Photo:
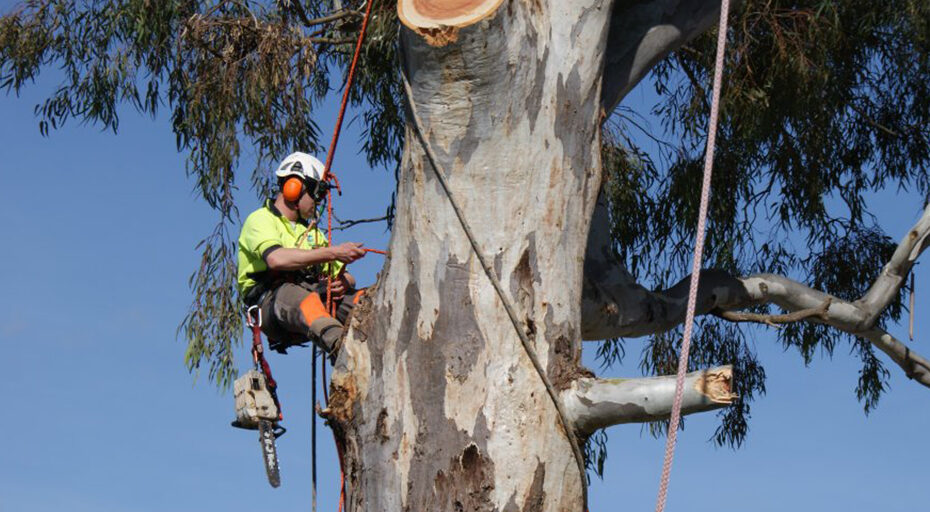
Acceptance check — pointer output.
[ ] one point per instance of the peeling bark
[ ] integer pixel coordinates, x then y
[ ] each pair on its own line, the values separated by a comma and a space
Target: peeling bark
597, 403
440, 405
433, 395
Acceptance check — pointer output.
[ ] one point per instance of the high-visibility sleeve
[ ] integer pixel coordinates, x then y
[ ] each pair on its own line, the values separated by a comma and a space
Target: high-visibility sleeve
259, 233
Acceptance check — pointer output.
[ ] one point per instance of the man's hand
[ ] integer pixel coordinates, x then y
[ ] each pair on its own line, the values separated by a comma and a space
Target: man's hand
340, 286
347, 252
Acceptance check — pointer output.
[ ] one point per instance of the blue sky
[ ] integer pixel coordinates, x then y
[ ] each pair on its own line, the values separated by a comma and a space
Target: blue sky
101, 415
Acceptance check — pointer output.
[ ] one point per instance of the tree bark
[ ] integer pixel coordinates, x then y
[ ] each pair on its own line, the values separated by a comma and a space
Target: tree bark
434, 400
434, 397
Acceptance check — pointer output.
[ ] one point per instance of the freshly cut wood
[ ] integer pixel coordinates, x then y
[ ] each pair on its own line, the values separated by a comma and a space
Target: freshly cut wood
437, 14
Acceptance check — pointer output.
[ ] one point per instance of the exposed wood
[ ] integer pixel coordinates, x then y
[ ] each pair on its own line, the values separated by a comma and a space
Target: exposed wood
438, 21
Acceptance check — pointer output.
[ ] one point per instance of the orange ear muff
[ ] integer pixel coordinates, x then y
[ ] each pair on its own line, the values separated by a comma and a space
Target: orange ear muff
292, 190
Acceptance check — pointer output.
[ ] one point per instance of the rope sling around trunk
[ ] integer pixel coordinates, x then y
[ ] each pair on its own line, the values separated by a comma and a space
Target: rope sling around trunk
495, 282
696, 263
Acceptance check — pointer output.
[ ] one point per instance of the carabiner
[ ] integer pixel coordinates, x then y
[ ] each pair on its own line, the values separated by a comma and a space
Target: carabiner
255, 321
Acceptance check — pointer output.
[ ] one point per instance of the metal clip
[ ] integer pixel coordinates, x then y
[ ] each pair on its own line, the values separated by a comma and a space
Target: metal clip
256, 320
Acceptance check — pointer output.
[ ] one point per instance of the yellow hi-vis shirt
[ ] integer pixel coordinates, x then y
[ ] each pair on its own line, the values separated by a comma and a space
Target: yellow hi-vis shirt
266, 229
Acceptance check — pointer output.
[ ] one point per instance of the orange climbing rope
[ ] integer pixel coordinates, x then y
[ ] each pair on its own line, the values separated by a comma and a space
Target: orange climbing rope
696, 264
329, 176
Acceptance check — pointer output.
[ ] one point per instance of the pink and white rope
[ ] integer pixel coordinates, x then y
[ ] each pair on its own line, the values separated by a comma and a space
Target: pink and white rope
698, 256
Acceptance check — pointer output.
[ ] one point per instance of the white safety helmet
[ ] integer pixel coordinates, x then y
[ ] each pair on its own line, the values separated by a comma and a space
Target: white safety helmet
300, 164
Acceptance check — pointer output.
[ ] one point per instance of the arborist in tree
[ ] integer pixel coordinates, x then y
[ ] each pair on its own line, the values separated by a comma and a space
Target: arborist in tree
285, 262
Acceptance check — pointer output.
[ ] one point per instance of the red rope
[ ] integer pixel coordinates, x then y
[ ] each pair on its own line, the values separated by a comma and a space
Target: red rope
696, 264
329, 176
258, 357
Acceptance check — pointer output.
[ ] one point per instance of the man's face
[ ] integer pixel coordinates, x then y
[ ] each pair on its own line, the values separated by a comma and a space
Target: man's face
306, 206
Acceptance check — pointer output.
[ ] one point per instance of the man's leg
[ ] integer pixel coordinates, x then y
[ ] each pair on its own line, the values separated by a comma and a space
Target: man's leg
302, 314
345, 306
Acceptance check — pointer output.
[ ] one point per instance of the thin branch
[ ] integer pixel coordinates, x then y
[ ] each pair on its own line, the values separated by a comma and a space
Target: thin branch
869, 119
819, 312
346, 224
330, 18
332, 40
701, 93
915, 366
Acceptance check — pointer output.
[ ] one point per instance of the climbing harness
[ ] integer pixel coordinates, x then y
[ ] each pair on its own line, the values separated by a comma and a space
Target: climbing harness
256, 398
495, 282
696, 264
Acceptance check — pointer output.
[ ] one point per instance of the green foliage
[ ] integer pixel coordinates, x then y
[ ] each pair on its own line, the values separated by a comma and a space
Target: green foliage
824, 102
595, 453
235, 75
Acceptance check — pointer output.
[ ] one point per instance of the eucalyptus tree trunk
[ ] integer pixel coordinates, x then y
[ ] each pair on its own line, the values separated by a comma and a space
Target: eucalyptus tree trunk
434, 399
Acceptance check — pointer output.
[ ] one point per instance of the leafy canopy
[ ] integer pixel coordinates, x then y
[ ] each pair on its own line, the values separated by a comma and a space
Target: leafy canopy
824, 103
824, 100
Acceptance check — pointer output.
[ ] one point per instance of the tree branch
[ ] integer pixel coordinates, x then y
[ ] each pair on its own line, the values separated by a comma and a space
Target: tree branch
915, 366
894, 274
848, 317
597, 403
614, 305
346, 224
332, 40
774, 320
644, 33
297, 8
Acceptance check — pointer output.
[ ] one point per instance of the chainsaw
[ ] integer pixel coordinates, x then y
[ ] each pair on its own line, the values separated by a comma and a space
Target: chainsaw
256, 410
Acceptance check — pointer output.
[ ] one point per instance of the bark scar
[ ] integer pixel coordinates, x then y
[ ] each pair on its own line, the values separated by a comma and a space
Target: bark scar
439, 36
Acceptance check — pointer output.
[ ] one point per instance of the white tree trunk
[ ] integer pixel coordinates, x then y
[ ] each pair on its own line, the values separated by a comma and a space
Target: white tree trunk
434, 399
441, 409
